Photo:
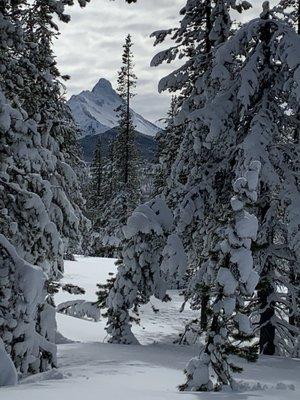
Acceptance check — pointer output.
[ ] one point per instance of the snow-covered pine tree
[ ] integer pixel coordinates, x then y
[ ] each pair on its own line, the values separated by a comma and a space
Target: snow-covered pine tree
217, 156
23, 215
231, 279
36, 216
149, 253
58, 130
168, 143
204, 26
290, 11
256, 110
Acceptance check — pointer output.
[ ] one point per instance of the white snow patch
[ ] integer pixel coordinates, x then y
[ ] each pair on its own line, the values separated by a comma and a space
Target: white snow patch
93, 369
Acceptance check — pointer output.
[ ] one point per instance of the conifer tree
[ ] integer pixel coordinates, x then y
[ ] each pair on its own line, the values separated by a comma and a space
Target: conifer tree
204, 26
96, 195
168, 143
123, 166
231, 279
125, 149
39, 195
290, 11
36, 216
149, 256
253, 114
247, 124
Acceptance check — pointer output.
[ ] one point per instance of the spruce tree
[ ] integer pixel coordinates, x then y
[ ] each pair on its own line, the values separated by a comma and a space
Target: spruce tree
250, 119
253, 115
149, 255
168, 144
123, 165
125, 149
231, 279
95, 194
290, 11
204, 26
36, 216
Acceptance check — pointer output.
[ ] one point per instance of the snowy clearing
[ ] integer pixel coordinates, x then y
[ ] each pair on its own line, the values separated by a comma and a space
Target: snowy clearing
92, 369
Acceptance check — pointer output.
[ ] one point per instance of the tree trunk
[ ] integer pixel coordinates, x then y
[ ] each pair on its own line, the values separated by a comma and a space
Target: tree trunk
127, 123
204, 314
208, 47
267, 329
294, 277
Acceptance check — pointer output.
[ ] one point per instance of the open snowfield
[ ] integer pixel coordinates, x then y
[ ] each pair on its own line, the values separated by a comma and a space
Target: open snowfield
91, 369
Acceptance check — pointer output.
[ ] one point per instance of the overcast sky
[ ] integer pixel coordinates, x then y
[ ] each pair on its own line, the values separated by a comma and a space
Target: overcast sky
90, 46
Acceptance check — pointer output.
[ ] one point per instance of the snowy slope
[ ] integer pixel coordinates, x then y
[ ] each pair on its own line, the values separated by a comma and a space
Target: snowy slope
92, 369
95, 111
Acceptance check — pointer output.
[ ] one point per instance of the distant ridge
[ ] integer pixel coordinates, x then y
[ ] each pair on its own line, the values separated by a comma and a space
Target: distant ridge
145, 144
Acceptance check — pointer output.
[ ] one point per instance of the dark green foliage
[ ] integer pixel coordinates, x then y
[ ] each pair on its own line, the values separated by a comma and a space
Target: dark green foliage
168, 143
103, 291
146, 145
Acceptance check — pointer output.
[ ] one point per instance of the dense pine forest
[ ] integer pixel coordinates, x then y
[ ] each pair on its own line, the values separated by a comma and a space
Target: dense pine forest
167, 260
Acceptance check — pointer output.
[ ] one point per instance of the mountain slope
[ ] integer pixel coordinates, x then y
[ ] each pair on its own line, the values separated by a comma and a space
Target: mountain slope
95, 111
145, 144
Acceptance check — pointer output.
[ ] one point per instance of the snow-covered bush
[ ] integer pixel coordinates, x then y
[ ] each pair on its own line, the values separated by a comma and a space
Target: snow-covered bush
140, 275
79, 309
22, 295
8, 375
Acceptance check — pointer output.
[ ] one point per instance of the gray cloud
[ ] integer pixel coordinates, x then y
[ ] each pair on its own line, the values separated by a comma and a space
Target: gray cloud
90, 46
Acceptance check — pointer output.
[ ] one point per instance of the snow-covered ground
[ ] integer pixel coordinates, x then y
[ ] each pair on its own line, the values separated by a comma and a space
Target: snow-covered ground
91, 369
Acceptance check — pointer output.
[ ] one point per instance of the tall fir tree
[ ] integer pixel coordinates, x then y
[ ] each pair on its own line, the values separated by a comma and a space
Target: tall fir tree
168, 144
125, 149
204, 26
253, 115
95, 193
290, 11
149, 253
231, 279
36, 215
123, 166
39, 194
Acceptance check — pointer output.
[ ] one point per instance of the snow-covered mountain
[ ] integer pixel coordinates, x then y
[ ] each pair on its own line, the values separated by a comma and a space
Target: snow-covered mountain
95, 111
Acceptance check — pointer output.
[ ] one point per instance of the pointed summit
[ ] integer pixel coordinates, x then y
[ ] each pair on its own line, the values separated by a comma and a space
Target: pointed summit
103, 85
